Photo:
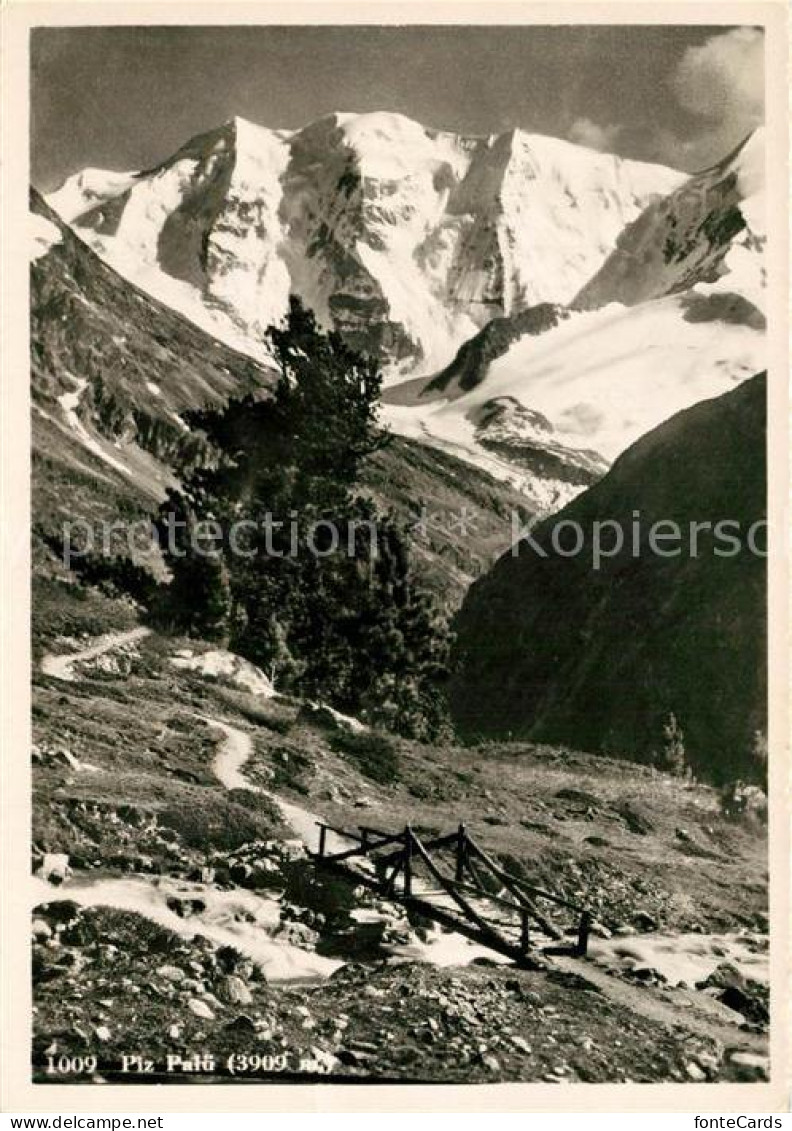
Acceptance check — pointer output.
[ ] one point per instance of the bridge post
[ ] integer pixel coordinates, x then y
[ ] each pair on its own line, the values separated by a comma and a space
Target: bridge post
408, 846
525, 938
322, 838
460, 853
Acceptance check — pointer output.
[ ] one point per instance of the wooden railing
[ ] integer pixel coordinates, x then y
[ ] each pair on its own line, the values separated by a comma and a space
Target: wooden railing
474, 874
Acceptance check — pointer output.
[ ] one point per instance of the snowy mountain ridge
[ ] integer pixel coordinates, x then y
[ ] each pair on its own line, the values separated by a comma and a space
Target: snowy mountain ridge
407, 239
675, 315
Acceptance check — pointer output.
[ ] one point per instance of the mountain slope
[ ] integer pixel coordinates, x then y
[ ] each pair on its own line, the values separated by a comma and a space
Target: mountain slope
675, 315
111, 371
557, 650
405, 238
711, 228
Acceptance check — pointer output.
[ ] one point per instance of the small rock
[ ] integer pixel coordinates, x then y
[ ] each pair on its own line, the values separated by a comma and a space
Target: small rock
352, 1059
647, 974
41, 930
750, 1066
635, 820
749, 1005
644, 921
723, 976
103, 1033
171, 973
299, 934
55, 867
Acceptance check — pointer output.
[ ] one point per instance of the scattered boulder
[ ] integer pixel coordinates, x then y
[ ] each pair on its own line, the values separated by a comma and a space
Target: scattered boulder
635, 820
579, 797
184, 906
219, 664
242, 1024
299, 934
643, 921
234, 990
171, 973
695, 1071
648, 975
723, 976
327, 718
41, 930
737, 992
750, 1005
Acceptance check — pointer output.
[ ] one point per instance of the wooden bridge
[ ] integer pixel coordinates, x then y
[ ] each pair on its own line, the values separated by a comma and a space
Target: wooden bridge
454, 882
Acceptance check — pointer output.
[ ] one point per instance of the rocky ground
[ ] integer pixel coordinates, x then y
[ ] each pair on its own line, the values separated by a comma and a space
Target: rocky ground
114, 987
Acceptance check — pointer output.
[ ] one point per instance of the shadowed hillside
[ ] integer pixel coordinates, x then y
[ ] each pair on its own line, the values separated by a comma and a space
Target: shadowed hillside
553, 649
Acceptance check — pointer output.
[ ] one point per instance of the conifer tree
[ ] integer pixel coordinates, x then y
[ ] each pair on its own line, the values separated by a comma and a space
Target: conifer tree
341, 618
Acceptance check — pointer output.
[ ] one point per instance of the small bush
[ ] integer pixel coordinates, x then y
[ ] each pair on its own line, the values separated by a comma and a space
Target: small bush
371, 752
740, 801
674, 755
289, 767
275, 716
214, 821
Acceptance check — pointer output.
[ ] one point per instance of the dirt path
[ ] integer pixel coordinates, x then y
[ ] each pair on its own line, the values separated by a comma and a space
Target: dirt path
699, 1013
234, 751
62, 667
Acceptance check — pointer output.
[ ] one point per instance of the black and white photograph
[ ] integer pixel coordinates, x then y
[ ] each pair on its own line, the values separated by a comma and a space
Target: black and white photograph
399, 552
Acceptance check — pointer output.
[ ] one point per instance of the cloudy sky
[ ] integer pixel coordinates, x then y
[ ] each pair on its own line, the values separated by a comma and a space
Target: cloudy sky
125, 98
